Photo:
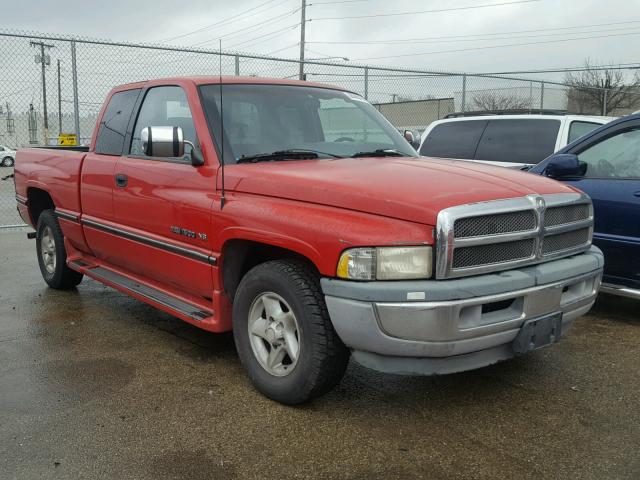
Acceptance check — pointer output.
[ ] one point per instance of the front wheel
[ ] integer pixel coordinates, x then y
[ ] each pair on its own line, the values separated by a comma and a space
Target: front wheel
52, 256
283, 334
7, 162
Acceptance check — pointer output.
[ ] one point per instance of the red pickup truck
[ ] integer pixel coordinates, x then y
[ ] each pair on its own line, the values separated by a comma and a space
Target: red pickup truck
295, 215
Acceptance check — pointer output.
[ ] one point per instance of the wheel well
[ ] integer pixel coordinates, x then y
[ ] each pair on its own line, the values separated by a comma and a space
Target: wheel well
39, 201
240, 256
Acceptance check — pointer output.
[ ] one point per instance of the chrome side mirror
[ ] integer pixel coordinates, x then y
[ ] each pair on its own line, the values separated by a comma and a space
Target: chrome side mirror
162, 141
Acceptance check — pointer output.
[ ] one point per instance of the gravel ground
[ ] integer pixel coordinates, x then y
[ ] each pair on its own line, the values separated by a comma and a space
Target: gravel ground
94, 384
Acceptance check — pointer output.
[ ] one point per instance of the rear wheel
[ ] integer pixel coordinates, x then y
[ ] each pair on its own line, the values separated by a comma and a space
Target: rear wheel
283, 333
7, 162
52, 256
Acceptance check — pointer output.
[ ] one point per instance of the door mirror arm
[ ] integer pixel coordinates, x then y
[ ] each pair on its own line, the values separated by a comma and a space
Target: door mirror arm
197, 159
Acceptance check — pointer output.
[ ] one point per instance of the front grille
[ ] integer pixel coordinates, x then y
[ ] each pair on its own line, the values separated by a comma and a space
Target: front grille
467, 257
565, 241
494, 224
502, 234
566, 214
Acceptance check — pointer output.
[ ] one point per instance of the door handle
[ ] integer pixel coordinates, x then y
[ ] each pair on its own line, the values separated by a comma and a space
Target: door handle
121, 180
636, 194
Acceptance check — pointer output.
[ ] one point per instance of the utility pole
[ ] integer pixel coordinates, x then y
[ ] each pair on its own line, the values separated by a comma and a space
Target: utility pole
303, 21
44, 60
76, 103
59, 101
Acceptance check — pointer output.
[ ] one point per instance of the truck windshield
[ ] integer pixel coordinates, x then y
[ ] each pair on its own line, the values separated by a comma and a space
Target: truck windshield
262, 119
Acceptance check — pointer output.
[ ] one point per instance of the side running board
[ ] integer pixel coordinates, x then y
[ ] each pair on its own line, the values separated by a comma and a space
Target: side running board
107, 276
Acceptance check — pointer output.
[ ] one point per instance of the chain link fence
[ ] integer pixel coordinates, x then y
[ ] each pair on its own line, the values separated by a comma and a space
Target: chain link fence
55, 85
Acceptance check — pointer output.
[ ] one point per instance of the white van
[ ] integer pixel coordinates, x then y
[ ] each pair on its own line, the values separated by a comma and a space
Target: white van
514, 141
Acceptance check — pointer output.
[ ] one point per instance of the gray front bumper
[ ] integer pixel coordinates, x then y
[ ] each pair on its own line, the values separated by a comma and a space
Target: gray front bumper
443, 326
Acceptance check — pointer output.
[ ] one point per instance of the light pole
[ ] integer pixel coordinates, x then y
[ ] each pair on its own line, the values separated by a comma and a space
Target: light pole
302, 25
59, 101
44, 60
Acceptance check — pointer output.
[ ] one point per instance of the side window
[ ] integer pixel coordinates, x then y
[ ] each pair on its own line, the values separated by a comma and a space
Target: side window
453, 139
615, 157
164, 107
113, 126
578, 129
1, 148
518, 141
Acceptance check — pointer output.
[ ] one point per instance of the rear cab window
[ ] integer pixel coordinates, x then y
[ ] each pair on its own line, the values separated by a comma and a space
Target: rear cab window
518, 140
454, 139
114, 122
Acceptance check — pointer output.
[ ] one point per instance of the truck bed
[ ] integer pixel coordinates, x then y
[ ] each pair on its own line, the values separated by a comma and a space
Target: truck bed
56, 168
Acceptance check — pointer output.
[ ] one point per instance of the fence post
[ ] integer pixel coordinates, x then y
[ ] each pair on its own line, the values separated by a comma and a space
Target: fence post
366, 83
464, 93
604, 102
530, 96
541, 95
76, 105
237, 65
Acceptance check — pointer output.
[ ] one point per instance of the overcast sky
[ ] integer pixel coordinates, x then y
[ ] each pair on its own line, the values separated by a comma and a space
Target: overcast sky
473, 28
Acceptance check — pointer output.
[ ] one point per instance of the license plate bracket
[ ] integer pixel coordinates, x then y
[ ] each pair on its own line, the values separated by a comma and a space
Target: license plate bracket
538, 332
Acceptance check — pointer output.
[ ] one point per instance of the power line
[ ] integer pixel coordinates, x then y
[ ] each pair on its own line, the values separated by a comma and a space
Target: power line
499, 46
251, 29
521, 36
470, 7
270, 35
470, 36
318, 53
219, 23
622, 66
282, 49
337, 1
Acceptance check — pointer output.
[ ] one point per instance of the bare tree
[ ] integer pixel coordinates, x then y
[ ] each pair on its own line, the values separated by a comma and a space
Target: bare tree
492, 101
602, 90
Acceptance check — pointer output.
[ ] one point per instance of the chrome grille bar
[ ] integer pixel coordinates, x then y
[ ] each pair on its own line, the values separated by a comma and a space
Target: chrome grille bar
504, 234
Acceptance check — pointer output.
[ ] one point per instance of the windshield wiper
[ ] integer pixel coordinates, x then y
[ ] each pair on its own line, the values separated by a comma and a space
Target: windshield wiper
290, 154
381, 152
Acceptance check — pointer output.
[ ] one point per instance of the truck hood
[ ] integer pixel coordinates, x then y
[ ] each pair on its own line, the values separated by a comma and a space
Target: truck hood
412, 189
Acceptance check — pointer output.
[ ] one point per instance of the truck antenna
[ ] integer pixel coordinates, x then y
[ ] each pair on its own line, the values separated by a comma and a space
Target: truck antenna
222, 197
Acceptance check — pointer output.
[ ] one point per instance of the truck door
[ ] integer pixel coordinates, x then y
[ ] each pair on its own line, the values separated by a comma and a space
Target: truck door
612, 180
165, 203
96, 184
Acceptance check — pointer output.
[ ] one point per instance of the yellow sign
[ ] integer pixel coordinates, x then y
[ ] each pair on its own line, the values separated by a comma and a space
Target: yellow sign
67, 139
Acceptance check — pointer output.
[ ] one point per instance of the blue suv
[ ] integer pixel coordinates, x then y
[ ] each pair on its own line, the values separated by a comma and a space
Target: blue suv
605, 164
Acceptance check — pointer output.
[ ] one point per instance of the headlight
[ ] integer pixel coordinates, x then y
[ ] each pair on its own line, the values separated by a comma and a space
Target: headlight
385, 263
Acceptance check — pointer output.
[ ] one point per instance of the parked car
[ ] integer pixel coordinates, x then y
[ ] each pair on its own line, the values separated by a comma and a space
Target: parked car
605, 164
324, 235
7, 156
514, 141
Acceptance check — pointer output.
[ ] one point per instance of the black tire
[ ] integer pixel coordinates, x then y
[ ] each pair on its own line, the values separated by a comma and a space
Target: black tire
322, 357
7, 162
59, 275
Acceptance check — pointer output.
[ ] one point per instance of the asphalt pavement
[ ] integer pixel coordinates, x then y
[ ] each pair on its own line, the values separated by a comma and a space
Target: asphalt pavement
94, 384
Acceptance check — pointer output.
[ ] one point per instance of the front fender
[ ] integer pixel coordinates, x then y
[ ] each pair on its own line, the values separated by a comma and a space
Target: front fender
317, 232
